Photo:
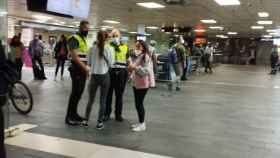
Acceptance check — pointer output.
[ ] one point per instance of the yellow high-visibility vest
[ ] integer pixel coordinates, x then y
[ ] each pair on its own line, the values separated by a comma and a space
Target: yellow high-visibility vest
121, 56
83, 48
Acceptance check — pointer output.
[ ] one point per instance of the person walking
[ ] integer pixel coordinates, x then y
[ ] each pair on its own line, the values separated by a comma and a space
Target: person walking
209, 51
101, 59
118, 77
61, 54
16, 54
36, 50
141, 68
79, 71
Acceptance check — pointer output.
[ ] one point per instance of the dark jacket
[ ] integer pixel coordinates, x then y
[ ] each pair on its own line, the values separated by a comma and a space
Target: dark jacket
57, 50
3, 65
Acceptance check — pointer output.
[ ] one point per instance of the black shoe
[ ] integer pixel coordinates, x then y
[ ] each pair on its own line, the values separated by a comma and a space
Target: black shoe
85, 123
119, 119
71, 122
178, 89
79, 118
100, 126
106, 118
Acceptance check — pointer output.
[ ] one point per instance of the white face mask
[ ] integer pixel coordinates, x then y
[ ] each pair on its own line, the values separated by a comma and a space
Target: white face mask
138, 52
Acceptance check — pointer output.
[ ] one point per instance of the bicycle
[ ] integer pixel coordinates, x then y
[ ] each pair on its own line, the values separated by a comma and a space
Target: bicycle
21, 97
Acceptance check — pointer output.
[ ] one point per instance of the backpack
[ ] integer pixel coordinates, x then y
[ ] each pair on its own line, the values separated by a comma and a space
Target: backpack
173, 56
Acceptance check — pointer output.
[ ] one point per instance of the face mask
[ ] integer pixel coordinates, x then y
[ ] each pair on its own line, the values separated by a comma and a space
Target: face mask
116, 41
137, 52
84, 33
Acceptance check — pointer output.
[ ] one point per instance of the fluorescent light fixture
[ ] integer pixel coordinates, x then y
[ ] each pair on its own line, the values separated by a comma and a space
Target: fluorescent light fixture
270, 30
273, 33
265, 22
111, 21
228, 2
209, 21
151, 5
147, 34
257, 27
152, 27
106, 27
42, 17
216, 27
232, 33
133, 32
263, 14
200, 30
221, 36
267, 36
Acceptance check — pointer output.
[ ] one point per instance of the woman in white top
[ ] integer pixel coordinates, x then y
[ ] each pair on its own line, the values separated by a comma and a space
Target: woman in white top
101, 59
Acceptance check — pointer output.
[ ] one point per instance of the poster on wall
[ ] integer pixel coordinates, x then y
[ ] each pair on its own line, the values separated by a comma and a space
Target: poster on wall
27, 36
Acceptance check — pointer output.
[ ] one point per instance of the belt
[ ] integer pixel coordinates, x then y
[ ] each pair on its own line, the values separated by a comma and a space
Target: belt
119, 67
83, 57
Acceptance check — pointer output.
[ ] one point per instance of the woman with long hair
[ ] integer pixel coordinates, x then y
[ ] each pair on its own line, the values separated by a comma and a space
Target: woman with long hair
141, 69
16, 54
61, 54
101, 59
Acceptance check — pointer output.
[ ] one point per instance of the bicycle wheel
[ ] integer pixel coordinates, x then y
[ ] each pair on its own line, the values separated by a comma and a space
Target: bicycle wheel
21, 97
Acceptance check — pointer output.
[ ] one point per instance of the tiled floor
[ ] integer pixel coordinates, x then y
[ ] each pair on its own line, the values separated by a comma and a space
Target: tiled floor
233, 113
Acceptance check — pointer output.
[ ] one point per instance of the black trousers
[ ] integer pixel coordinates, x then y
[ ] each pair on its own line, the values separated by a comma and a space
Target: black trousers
118, 79
59, 63
2, 128
139, 96
19, 65
39, 60
78, 85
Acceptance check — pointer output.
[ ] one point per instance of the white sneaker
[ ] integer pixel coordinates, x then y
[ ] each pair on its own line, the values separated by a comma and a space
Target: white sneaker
141, 127
135, 125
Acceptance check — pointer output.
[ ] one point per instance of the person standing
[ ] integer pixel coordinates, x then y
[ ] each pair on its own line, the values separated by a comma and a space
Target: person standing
153, 54
118, 77
141, 68
274, 59
188, 67
61, 54
36, 50
101, 59
79, 71
16, 53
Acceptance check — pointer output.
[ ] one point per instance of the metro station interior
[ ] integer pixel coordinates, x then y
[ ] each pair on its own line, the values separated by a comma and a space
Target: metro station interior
200, 78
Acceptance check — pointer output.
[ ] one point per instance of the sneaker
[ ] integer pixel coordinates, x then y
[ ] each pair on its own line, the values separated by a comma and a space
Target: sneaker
85, 123
71, 122
135, 125
100, 126
140, 128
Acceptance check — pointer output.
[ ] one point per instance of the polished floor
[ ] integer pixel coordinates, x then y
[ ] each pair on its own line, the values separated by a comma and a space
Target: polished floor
233, 113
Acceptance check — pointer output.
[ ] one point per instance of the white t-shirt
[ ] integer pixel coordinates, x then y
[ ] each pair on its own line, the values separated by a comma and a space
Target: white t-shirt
99, 65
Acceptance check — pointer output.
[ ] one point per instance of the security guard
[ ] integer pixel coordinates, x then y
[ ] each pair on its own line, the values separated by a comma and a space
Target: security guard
118, 75
79, 72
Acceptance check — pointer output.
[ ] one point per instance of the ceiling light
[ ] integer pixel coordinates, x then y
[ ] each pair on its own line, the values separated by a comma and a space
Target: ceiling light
265, 22
111, 21
133, 32
263, 14
216, 27
106, 27
2, 13
257, 27
267, 36
42, 17
271, 30
152, 27
232, 33
147, 34
209, 21
200, 30
151, 5
228, 2
221, 36
273, 33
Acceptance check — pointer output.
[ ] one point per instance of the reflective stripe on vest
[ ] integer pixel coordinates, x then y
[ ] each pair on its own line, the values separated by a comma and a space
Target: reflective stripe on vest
121, 57
83, 49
